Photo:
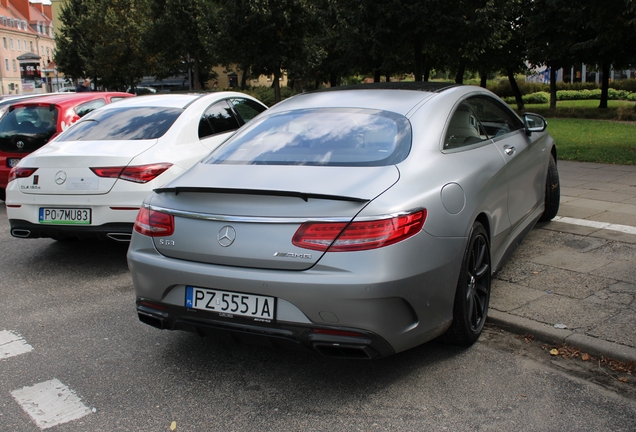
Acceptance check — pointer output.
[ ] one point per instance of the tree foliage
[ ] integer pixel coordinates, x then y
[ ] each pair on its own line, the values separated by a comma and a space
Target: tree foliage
317, 41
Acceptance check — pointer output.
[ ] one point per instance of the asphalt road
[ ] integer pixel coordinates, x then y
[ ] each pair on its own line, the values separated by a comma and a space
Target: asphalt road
71, 304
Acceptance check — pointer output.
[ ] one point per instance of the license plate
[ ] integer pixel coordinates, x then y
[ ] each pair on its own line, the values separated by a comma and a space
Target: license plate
13, 162
65, 216
230, 304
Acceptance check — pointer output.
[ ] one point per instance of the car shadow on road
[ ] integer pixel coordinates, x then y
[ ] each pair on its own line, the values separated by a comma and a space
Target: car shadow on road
299, 375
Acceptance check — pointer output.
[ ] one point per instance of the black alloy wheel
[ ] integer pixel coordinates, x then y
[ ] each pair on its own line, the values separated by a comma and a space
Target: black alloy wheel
473, 291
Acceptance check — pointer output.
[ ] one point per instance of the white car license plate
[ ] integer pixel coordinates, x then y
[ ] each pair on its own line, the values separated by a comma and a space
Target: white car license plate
13, 162
259, 308
65, 216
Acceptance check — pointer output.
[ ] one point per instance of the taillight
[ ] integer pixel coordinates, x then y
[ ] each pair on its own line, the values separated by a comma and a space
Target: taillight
135, 174
20, 172
153, 223
356, 236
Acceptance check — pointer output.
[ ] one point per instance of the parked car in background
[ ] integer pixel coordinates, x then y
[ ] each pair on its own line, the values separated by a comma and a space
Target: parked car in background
356, 222
90, 182
30, 123
7, 101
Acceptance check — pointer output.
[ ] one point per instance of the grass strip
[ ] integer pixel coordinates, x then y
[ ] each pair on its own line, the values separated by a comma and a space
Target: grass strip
594, 140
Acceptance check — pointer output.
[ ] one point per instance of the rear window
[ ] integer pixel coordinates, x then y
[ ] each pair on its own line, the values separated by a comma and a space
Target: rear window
327, 137
29, 120
133, 123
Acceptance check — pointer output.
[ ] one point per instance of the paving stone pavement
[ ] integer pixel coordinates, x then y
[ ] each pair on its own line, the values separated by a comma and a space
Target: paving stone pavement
573, 279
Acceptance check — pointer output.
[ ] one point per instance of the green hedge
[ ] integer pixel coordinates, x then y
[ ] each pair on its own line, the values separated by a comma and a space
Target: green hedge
503, 90
585, 94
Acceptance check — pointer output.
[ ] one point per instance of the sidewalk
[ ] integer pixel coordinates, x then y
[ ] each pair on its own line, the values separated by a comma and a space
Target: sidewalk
573, 280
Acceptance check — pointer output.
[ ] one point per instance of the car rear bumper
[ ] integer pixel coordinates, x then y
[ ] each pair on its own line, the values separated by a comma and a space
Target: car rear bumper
283, 335
392, 305
109, 231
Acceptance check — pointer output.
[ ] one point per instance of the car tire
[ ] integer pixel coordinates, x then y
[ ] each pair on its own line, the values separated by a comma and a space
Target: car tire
472, 295
552, 192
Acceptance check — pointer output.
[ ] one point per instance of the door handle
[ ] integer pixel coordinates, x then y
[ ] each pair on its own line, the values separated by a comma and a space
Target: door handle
509, 150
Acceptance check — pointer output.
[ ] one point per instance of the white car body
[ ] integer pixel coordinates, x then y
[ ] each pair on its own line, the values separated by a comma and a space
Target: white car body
63, 178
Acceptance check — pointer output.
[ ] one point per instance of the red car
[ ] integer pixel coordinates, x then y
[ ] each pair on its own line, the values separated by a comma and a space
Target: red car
30, 123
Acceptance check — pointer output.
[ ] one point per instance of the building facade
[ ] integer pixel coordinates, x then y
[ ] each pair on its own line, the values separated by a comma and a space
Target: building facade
27, 46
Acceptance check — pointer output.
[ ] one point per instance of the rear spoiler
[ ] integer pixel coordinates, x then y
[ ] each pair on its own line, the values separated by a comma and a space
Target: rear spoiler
304, 196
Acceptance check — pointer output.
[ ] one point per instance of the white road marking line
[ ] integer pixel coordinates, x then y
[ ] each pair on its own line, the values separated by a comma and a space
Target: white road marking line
594, 224
12, 344
50, 403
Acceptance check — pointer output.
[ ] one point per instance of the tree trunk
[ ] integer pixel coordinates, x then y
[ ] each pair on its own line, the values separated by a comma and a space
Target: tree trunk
515, 90
484, 80
377, 76
196, 79
459, 78
427, 68
276, 85
388, 77
333, 80
553, 94
419, 60
605, 86
244, 81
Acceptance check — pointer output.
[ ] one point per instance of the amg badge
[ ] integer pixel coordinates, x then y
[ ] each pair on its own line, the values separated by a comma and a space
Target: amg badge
292, 255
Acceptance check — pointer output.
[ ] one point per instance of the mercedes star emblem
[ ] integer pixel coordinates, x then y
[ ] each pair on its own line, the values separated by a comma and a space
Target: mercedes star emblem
226, 236
60, 177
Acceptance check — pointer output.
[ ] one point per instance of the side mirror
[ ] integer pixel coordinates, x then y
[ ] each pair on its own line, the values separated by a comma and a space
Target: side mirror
534, 123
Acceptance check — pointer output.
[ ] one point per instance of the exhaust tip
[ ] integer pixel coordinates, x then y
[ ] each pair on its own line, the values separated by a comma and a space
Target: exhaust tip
357, 352
120, 237
152, 321
21, 233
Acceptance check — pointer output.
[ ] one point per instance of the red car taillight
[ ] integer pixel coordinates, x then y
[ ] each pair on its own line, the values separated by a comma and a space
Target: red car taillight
135, 174
153, 223
20, 172
358, 235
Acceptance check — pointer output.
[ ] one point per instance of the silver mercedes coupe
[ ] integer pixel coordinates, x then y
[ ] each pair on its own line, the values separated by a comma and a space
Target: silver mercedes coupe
357, 221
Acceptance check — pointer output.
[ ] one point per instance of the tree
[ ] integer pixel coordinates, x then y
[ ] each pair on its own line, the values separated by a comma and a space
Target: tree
267, 36
608, 38
103, 39
191, 25
552, 28
73, 46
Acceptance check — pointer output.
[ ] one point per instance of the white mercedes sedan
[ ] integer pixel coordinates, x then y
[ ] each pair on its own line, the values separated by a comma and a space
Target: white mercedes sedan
90, 182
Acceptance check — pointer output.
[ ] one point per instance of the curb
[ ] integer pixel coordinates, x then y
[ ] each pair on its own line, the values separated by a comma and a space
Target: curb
546, 333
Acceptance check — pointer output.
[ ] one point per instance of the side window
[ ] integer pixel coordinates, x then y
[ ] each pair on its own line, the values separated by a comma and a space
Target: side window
496, 118
218, 118
247, 109
85, 108
463, 129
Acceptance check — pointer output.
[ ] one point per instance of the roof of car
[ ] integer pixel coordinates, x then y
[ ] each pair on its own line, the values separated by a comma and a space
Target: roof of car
173, 100
66, 98
431, 87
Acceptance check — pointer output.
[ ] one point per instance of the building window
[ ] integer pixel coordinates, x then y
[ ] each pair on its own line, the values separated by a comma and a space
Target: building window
25, 44
11, 43
6, 64
31, 44
15, 69
4, 42
19, 45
